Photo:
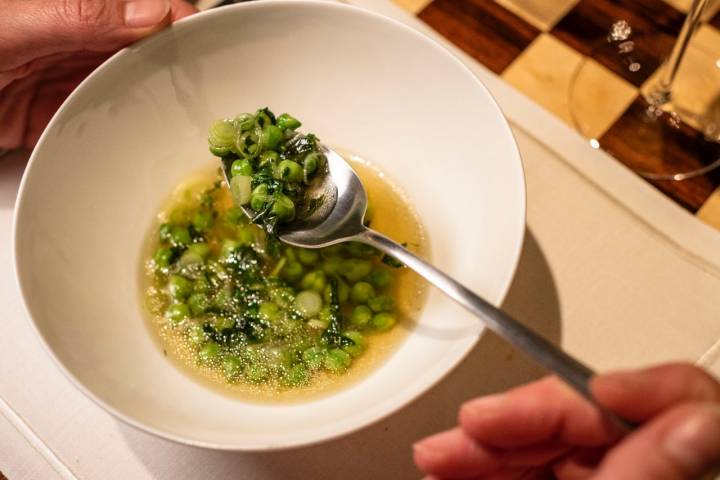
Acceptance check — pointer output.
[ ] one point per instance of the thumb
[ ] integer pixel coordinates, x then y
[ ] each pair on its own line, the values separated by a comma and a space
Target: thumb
32, 29
680, 444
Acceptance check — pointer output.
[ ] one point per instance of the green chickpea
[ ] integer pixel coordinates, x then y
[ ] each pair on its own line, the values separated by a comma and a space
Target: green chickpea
298, 375
308, 256
223, 323
361, 316
380, 278
283, 208
314, 357
241, 167
179, 236
256, 373
177, 312
197, 335
337, 360
164, 257
199, 303
315, 280
311, 163
203, 220
269, 157
361, 292
292, 271
343, 292
259, 197
269, 311
289, 171
234, 215
209, 352
288, 122
381, 303
383, 321
201, 249
353, 269
271, 137
232, 367
179, 287
359, 344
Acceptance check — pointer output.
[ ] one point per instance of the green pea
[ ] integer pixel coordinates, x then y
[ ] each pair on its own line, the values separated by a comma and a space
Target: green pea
271, 137
203, 220
381, 303
360, 250
241, 167
311, 163
164, 232
256, 373
332, 265
383, 321
269, 311
259, 197
337, 360
282, 296
199, 303
228, 248
343, 292
209, 352
270, 157
164, 257
314, 357
359, 344
232, 367
179, 287
224, 323
283, 207
201, 249
307, 256
292, 271
177, 312
315, 280
179, 236
197, 335
362, 292
234, 215
288, 122
223, 299
298, 375
361, 316
354, 269
289, 171
201, 285
380, 278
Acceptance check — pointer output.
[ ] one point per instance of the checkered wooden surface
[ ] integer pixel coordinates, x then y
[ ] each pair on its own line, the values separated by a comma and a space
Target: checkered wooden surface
537, 46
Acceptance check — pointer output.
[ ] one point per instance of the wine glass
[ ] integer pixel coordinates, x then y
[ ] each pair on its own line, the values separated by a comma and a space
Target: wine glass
665, 120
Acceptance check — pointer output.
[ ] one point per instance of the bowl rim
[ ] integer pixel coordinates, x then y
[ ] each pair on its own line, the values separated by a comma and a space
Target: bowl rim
402, 402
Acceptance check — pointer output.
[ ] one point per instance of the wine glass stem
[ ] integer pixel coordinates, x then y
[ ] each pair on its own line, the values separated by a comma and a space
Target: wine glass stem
670, 70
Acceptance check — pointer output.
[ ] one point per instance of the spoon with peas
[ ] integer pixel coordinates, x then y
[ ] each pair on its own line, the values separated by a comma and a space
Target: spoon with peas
337, 216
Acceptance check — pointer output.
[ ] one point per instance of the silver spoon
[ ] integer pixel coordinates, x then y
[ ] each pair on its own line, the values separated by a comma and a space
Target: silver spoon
339, 218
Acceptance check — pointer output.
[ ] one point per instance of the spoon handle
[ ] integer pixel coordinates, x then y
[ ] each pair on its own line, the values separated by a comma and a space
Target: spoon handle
542, 351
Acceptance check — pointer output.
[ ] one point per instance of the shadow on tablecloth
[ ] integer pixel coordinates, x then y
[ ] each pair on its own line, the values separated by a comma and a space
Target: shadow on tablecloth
383, 450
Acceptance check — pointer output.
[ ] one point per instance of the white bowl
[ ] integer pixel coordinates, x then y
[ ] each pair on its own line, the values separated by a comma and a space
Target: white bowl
137, 126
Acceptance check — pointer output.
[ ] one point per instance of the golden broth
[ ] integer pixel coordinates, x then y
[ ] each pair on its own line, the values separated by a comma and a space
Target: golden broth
391, 215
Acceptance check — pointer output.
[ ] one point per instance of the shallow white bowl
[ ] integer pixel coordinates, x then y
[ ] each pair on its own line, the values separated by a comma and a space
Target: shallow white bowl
137, 126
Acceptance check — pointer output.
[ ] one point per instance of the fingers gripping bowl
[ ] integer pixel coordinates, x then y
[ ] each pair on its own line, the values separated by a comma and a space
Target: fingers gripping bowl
135, 130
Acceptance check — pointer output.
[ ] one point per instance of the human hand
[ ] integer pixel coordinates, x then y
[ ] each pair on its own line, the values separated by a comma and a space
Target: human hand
544, 430
47, 47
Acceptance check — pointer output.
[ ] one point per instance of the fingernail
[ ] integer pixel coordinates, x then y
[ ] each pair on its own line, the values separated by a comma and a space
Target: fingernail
696, 440
430, 445
145, 13
481, 407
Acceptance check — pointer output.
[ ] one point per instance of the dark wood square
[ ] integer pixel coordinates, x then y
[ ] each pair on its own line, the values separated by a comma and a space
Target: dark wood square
684, 151
655, 25
716, 21
488, 32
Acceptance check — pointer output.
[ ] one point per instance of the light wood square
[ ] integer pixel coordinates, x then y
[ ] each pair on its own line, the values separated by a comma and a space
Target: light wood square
710, 211
412, 6
544, 72
543, 14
